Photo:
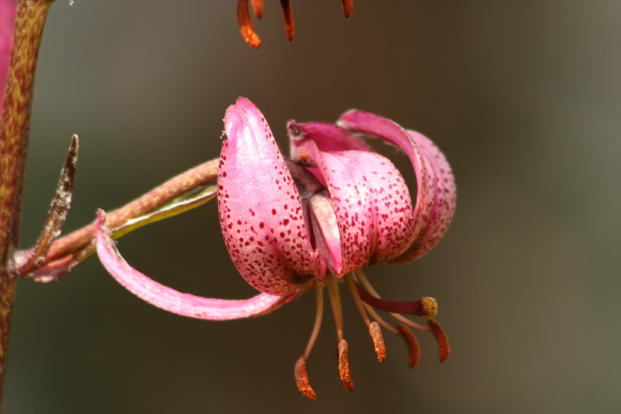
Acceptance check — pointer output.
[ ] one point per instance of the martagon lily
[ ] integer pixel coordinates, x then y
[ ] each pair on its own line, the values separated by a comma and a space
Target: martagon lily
314, 220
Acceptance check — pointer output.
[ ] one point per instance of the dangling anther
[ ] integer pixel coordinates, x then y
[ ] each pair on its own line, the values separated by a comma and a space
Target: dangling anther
300, 372
348, 6
441, 339
257, 8
375, 331
378, 341
301, 379
344, 371
287, 11
412, 344
246, 27
337, 312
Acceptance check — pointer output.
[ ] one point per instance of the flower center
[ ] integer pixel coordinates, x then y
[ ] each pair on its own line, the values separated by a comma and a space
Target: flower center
367, 302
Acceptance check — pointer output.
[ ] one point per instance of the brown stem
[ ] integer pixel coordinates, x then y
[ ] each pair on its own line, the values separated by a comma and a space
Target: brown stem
176, 186
29, 23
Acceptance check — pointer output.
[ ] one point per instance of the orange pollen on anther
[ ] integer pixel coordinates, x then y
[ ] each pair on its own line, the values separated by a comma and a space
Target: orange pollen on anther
344, 371
374, 327
378, 341
245, 25
412, 344
348, 6
287, 11
301, 379
441, 339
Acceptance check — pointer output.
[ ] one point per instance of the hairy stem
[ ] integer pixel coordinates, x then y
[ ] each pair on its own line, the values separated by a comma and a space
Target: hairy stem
29, 23
176, 186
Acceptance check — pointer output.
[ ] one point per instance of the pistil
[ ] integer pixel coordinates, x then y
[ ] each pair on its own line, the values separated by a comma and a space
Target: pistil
360, 277
403, 331
426, 307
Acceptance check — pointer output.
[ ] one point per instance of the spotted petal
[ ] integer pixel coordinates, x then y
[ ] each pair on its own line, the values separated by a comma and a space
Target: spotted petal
261, 214
436, 192
369, 196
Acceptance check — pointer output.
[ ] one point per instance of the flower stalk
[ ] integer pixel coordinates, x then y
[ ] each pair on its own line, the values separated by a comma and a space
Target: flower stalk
29, 23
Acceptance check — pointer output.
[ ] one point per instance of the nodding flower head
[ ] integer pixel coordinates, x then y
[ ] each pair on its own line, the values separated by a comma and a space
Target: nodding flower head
314, 220
246, 27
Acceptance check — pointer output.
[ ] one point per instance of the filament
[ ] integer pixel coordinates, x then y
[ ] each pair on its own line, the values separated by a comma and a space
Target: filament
374, 329
343, 347
318, 320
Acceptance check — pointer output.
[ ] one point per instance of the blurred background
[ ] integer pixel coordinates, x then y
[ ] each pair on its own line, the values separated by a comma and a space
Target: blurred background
524, 98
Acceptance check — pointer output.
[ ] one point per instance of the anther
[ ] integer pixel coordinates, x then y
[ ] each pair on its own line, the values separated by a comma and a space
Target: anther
378, 341
348, 6
374, 327
257, 8
344, 371
245, 25
441, 339
412, 344
301, 379
300, 373
287, 11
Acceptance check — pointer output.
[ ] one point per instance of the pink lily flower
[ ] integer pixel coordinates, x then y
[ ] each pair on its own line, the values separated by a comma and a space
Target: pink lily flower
311, 221
7, 26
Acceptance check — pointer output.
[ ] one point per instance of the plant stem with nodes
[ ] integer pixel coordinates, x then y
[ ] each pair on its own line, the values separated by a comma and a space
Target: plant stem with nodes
14, 126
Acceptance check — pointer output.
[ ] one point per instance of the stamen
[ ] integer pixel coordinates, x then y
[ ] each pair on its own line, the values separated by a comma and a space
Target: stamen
257, 8
245, 25
381, 320
335, 302
301, 379
287, 11
318, 320
441, 339
410, 340
348, 6
408, 322
374, 329
412, 344
344, 371
378, 341
300, 373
